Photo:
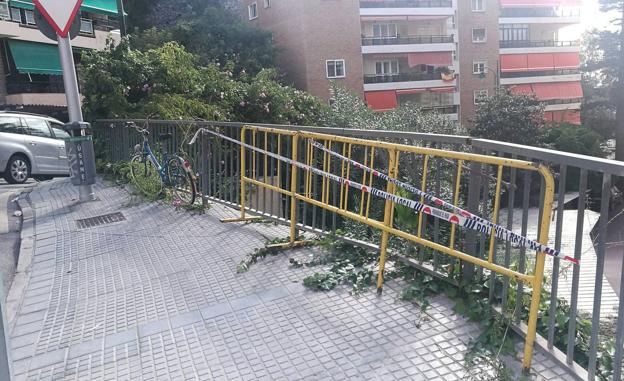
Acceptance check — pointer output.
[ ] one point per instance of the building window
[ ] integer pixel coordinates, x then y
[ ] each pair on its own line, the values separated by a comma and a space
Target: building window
253, 11
30, 17
335, 68
479, 67
480, 96
16, 15
267, 3
4, 11
514, 32
478, 34
386, 67
384, 30
478, 5
86, 26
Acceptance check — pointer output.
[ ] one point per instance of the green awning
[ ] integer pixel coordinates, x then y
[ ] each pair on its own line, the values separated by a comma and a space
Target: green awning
108, 7
35, 58
25, 4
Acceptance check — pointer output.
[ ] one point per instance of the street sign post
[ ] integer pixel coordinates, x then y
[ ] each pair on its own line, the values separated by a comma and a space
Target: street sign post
60, 16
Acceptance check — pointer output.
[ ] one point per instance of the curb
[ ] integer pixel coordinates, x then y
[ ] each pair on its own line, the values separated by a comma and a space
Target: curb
22, 272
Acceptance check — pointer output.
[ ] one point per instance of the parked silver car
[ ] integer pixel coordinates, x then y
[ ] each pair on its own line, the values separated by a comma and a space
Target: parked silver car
31, 146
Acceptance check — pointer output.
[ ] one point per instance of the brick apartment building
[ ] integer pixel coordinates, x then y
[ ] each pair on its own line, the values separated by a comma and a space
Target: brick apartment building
30, 65
441, 54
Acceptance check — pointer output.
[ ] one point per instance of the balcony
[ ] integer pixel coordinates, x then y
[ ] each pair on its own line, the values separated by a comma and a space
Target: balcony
35, 87
403, 77
538, 44
407, 4
410, 40
408, 44
540, 15
517, 78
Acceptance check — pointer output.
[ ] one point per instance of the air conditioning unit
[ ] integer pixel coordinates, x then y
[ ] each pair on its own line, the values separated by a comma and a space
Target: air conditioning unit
4, 11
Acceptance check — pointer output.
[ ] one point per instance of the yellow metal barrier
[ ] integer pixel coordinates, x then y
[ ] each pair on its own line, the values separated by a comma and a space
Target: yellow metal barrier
382, 156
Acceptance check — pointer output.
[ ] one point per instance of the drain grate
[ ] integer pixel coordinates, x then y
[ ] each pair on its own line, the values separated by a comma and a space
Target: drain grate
100, 220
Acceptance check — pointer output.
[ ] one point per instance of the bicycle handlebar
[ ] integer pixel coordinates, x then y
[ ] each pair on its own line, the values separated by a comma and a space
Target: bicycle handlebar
143, 131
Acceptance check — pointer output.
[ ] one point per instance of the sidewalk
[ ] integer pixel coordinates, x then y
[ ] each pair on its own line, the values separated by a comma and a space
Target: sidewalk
157, 297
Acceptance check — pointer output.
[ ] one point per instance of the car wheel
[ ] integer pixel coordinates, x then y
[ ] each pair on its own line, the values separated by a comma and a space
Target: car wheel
17, 170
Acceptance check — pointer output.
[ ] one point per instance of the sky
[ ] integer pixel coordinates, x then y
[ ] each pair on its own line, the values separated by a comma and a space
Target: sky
591, 18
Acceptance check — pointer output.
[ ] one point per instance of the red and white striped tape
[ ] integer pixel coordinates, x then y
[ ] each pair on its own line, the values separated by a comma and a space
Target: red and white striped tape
470, 222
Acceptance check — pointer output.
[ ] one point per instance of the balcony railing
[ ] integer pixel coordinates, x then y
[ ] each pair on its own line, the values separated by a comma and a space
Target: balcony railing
445, 110
540, 12
38, 87
537, 44
407, 4
402, 77
520, 74
373, 41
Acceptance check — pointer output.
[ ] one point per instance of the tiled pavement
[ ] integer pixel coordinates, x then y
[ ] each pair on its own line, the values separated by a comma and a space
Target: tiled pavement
157, 297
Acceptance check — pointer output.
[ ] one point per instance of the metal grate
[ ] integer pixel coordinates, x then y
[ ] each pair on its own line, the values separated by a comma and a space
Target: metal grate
100, 220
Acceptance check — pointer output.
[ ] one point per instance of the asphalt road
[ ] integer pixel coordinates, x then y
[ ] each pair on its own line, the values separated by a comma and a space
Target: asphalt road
10, 226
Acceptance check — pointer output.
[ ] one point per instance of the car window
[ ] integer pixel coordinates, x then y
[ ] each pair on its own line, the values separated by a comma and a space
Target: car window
37, 127
58, 130
10, 124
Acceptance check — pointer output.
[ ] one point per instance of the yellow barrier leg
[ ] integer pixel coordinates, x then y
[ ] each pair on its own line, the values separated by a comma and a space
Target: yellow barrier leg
293, 192
385, 235
242, 217
549, 190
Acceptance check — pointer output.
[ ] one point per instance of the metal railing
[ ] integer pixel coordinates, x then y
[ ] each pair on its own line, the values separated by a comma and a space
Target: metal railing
520, 74
41, 87
402, 77
537, 44
572, 338
406, 4
407, 40
540, 12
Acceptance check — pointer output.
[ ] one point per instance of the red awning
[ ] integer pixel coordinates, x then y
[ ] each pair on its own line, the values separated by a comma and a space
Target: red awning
442, 89
410, 91
539, 3
557, 90
430, 58
513, 62
381, 100
540, 62
521, 89
566, 60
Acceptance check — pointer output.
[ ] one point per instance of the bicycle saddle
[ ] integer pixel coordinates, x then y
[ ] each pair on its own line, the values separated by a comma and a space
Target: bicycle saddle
166, 136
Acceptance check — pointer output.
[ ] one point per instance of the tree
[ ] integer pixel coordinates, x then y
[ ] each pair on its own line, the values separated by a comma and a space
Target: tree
350, 111
210, 29
604, 78
576, 139
168, 82
508, 117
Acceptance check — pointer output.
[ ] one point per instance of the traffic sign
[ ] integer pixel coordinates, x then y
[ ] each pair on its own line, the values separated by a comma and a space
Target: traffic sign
48, 31
59, 13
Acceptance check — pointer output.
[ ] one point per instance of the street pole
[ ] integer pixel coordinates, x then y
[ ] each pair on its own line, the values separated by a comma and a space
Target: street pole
72, 94
122, 18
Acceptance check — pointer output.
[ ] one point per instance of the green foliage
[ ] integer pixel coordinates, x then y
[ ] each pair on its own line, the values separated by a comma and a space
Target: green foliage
349, 264
252, 258
350, 111
208, 29
167, 82
508, 117
576, 139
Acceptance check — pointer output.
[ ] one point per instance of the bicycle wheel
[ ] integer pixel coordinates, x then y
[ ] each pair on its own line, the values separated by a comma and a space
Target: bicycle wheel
181, 181
145, 176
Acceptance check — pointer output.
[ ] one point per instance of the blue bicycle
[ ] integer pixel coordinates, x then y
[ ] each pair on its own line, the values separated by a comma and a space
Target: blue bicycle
149, 176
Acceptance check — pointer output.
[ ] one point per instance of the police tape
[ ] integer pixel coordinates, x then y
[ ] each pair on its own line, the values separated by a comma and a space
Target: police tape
477, 223
417, 207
